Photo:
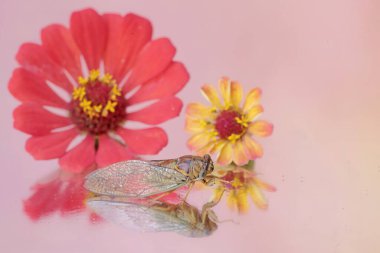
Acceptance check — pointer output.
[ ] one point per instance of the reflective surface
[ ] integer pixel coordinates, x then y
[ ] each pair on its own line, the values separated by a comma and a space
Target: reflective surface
317, 63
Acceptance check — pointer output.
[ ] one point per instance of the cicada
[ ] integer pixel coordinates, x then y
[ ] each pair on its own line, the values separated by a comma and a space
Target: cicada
140, 179
147, 216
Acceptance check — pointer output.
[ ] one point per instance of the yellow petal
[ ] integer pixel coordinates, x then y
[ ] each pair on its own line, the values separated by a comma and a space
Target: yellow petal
240, 157
260, 128
210, 93
198, 141
197, 110
220, 171
252, 149
252, 99
242, 200
194, 125
257, 197
236, 94
213, 147
219, 144
225, 155
225, 89
217, 193
206, 149
263, 185
254, 112
232, 200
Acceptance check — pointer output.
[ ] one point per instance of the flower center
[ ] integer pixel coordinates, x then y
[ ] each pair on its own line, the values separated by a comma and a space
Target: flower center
97, 104
236, 179
230, 125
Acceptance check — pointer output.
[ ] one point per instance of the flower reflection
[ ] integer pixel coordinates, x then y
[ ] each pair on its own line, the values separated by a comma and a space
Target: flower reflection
62, 192
240, 184
155, 216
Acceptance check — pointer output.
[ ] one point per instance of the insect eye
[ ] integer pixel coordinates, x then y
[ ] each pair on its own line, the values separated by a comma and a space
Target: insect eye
211, 167
207, 157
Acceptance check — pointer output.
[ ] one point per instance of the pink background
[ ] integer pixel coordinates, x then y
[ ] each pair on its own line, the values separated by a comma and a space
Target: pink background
318, 65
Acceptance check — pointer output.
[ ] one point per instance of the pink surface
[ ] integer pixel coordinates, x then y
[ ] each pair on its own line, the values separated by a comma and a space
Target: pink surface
317, 63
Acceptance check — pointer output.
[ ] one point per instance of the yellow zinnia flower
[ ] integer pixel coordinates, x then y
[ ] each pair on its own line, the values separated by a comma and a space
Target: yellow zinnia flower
242, 184
227, 128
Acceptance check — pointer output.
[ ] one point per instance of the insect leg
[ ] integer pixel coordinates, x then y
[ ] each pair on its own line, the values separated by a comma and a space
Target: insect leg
214, 201
188, 191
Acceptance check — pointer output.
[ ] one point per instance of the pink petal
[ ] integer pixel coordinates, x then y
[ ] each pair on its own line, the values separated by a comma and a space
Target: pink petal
158, 112
166, 84
36, 60
59, 44
50, 146
27, 87
153, 59
90, 33
126, 37
73, 196
35, 120
144, 141
111, 151
80, 157
44, 200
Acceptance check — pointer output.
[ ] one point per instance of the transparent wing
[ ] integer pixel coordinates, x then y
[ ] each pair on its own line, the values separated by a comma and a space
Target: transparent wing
139, 217
134, 179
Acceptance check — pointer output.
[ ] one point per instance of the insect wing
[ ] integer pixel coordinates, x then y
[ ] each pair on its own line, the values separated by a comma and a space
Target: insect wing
135, 179
145, 218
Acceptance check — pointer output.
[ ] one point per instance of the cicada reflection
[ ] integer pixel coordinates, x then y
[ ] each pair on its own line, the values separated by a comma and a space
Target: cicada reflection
148, 216
140, 179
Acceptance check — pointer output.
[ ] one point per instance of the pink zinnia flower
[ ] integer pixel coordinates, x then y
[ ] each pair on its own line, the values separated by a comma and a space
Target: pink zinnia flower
99, 60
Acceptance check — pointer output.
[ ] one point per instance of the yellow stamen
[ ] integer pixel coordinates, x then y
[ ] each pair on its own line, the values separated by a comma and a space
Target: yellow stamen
82, 80
227, 105
91, 113
234, 137
86, 105
107, 78
110, 107
98, 108
242, 121
115, 92
213, 135
204, 123
79, 93
94, 74
236, 183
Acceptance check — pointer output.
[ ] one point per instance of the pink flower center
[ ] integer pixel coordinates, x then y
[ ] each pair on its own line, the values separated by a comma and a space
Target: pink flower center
227, 124
97, 104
